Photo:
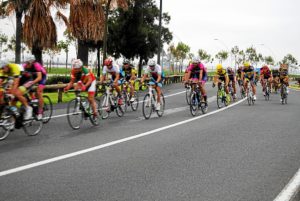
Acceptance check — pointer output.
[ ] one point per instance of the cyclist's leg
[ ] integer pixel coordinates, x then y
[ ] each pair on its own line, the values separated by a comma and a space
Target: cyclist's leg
39, 92
91, 97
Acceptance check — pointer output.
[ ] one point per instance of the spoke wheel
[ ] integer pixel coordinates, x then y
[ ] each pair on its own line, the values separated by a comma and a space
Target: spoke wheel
135, 103
162, 106
188, 95
194, 104
7, 123
147, 106
105, 106
33, 126
96, 120
74, 113
47, 109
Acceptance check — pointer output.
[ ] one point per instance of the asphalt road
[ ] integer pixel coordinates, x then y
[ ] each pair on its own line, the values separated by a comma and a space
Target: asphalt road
242, 153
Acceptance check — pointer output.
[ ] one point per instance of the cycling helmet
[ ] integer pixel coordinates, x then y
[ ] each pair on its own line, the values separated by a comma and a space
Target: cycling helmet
77, 63
229, 69
30, 58
108, 62
3, 63
219, 67
246, 64
151, 62
195, 60
126, 61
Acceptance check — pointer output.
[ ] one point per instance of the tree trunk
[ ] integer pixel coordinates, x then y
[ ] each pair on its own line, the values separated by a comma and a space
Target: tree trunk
67, 55
83, 52
98, 63
19, 31
38, 53
140, 67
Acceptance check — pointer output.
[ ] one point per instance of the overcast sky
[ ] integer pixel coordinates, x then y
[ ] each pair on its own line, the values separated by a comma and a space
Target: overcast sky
274, 23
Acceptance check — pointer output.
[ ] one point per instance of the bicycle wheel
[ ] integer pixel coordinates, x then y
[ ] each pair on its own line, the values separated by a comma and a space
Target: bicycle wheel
96, 120
188, 95
194, 104
219, 99
7, 123
120, 109
135, 103
162, 106
105, 106
33, 126
204, 107
47, 109
147, 106
74, 113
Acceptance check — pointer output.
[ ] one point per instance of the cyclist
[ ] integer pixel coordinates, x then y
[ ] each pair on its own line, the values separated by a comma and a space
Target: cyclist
232, 79
11, 70
157, 76
35, 73
275, 74
130, 75
82, 78
248, 75
221, 76
239, 76
265, 74
284, 75
116, 77
197, 74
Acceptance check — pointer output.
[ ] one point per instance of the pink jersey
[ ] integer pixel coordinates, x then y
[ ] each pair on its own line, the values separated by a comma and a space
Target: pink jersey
196, 69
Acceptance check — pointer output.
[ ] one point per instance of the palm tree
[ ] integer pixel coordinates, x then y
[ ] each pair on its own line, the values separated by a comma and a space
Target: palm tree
3, 42
182, 50
222, 56
269, 60
204, 56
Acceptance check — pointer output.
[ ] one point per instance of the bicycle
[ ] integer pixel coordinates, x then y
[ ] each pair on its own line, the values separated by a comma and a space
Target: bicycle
188, 92
283, 93
222, 99
79, 109
231, 92
196, 102
110, 102
47, 107
127, 96
250, 96
266, 89
149, 103
12, 117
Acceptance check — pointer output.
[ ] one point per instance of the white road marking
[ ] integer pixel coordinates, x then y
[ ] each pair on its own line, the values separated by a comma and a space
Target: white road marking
62, 157
167, 96
290, 190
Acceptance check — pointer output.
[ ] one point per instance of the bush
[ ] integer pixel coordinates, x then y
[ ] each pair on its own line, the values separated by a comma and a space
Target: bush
56, 79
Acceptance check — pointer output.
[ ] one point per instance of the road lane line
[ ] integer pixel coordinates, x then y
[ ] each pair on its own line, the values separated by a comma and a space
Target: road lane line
291, 189
167, 96
70, 155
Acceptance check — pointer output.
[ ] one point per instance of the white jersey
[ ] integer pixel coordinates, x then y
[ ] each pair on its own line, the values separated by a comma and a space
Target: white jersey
113, 71
157, 70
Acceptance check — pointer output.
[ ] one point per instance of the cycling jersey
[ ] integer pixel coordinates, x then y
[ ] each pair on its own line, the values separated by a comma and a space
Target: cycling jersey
82, 75
154, 73
113, 71
265, 71
31, 73
127, 72
14, 71
275, 73
249, 72
195, 71
231, 75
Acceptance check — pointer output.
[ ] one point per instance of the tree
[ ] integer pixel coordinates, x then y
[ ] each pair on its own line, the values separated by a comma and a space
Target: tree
235, 52
134, 32
241, 57
3, 43
204, 56
289, 59
269, 60
182, 50
222, 56
64, 45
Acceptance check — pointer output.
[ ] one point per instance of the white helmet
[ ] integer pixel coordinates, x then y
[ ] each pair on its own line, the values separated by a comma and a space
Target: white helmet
195, 60
3, 62
151, 62
30, 58
77, 63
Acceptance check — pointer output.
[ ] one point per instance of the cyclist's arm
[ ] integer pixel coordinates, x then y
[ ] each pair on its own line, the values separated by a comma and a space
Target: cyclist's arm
70, 84
16, 83
200, 75
117, 78
158, 78
216, 78
132, 75
143, 78
102, 78
242, 75
38, 78
90, 80
226, 80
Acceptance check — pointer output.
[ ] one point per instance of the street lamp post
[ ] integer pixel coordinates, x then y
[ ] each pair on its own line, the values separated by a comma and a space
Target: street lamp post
159, 39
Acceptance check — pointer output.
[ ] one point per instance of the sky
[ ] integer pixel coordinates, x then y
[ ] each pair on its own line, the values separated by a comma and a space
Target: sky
271, 26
